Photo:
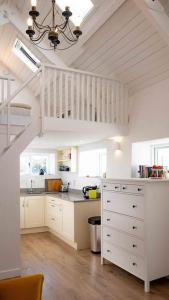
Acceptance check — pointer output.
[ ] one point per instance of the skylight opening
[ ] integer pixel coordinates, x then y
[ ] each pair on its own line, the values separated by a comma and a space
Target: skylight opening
80, 9
26, 56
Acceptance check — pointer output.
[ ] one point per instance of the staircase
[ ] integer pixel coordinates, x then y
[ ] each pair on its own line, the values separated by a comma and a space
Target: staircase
82, 101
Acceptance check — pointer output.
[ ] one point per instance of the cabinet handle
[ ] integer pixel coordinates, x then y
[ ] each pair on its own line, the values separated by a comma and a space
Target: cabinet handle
108, 251
116, 187
108, 219
139, 189
23, 204
53, 219
53, 205
124, 188
104, 186
108, 235
134, 246
108, 201
134, 227
134, 206
134, 264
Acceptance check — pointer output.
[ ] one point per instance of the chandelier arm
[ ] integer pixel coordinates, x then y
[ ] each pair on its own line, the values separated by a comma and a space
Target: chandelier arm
39, 37
46, 49
66, 47
67, 38
46, 17
70, 30
41, 27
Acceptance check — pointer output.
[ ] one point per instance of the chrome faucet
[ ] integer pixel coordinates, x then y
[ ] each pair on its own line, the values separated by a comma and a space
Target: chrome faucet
31, 189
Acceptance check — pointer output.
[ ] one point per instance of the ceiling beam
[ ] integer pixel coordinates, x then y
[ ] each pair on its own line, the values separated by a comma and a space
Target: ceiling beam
13, 15
101, 13
156, 16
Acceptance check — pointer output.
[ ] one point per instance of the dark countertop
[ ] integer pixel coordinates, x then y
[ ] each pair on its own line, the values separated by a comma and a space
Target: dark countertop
72, 196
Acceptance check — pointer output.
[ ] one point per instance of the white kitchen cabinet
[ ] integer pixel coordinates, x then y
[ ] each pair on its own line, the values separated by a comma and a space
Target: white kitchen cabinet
54, 214
69, 220
22, 212
32, 211
135, 226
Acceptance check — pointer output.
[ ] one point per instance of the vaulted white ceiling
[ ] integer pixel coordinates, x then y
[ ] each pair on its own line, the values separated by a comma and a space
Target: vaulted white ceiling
118, 41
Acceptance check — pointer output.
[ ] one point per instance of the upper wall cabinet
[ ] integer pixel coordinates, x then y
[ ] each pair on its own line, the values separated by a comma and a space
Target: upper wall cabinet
67, 159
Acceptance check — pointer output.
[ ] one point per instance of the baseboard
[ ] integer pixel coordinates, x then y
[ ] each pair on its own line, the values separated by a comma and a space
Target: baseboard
10, 273
34, 230
61, 237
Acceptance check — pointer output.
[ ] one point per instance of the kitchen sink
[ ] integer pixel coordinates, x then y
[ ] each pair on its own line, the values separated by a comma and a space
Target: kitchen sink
34, 192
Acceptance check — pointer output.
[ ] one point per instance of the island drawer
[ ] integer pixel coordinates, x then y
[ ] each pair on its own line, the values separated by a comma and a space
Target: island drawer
124, 223
131, 205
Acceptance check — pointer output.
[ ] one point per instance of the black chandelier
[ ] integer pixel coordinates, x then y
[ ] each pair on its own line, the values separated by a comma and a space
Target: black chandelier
56, 33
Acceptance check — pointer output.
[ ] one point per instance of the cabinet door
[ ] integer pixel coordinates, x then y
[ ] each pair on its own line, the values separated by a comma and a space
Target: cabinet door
34, 211
68, 220
54, 216
22, 212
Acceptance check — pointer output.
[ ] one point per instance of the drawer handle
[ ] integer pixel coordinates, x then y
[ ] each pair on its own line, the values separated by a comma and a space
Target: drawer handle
104, 186
134, 264
124, 188
53, 219
134, 246
53, 205
134, 227
134, 206
108, 220
139, 189
116, 187
108, 201
108, 235
108, 251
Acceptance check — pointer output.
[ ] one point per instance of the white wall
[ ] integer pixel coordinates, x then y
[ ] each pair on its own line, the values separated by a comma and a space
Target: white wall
149, 120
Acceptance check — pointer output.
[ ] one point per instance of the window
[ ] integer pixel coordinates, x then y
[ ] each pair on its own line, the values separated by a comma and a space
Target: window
26, 55
33, 164
161, 155
93, 163
79, 9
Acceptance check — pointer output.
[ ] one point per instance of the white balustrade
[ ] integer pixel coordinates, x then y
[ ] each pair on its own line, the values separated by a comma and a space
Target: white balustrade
79, 95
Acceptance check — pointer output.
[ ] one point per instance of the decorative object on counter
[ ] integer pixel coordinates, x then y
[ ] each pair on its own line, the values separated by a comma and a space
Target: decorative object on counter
65, 188
90, 192
154, 172
53, 185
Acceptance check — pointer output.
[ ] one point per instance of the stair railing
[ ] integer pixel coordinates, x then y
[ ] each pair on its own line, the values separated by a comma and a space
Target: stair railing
7, 97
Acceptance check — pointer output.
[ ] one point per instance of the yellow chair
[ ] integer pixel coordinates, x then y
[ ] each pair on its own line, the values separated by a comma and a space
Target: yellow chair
22, 288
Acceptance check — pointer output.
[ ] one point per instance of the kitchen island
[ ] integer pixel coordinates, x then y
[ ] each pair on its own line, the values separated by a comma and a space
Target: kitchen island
135, 226
65, 215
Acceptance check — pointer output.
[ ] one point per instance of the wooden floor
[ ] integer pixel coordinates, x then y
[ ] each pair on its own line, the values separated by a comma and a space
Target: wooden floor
78, 275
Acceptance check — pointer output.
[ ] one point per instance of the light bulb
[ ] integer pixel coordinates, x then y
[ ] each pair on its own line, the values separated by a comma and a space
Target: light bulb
33, 3
30, 22
56, 30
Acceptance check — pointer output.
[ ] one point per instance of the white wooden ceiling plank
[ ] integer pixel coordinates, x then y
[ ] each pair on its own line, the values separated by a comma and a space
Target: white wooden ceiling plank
122, 62
125, 46
140, 57
121, 17
134, 27
149, 75
145, 66
150, 83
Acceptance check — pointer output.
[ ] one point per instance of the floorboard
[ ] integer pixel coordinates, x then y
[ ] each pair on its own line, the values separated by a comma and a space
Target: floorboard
78, 275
